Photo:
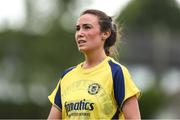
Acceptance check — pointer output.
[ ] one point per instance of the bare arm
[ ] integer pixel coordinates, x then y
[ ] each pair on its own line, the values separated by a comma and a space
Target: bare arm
131, 109
54, 113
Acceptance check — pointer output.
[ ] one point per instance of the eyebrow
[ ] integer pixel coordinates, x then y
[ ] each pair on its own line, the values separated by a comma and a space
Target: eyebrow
84, 25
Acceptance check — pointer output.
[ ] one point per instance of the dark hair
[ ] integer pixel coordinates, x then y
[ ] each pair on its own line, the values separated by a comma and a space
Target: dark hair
106, 23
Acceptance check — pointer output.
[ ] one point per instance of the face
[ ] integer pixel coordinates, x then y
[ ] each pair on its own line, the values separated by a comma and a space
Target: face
88, 36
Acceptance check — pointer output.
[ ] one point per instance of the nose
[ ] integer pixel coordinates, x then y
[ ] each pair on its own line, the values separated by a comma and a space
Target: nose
80, 33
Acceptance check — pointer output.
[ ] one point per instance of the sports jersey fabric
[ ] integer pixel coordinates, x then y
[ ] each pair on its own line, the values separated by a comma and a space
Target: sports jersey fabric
95, 93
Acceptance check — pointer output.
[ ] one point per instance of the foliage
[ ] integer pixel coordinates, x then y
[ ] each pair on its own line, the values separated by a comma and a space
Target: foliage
151, 101
144, 14
23, 111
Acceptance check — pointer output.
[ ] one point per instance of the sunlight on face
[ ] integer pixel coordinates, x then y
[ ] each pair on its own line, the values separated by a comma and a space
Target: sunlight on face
88, 36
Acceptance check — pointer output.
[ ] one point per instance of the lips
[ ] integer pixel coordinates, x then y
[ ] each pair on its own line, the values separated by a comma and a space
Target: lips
81, 41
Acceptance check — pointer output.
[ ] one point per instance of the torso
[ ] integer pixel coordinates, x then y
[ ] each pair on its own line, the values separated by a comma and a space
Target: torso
88, 93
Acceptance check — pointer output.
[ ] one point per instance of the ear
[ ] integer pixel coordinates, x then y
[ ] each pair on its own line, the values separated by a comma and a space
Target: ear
105, 35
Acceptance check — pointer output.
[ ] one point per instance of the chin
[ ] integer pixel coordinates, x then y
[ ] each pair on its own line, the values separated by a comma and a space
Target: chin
83, 50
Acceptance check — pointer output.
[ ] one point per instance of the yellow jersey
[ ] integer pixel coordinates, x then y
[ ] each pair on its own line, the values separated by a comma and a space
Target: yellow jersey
94, 93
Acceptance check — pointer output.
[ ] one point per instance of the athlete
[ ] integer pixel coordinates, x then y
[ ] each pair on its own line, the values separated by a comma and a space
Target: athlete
99, 87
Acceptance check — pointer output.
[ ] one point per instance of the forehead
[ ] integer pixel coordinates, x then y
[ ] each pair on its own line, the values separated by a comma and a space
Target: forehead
88, 19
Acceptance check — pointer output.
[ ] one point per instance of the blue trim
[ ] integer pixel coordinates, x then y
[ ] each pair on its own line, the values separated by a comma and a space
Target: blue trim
116, 115
57, 99
66, 71
118, 83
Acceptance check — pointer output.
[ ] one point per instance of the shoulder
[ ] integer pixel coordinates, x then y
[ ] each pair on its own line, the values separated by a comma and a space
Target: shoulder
67, 71
117, 67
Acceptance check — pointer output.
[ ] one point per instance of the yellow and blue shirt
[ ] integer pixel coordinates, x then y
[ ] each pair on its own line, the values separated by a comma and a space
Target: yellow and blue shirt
94, 93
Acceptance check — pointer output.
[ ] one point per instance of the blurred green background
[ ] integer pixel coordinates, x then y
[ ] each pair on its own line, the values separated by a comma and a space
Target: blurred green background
34, 53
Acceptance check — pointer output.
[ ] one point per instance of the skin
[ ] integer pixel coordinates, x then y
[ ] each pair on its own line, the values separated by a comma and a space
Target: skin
131, 109
88, 30
90, 41
54, 113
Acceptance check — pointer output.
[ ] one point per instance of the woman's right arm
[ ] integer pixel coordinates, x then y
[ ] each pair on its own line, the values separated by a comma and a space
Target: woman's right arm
54, 113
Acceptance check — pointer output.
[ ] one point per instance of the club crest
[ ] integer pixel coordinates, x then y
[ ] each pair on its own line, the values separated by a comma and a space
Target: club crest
93, 88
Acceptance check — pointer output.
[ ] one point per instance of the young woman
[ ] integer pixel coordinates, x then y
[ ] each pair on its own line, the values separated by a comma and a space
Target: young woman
99, 87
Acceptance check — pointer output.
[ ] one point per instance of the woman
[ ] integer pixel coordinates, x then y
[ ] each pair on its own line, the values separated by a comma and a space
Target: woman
99, 87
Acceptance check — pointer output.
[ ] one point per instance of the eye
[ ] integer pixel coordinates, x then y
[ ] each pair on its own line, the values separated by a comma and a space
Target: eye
86, 27
77, 28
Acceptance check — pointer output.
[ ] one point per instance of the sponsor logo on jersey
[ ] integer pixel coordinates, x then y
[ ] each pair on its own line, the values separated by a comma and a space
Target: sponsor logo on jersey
93, 88
79, 105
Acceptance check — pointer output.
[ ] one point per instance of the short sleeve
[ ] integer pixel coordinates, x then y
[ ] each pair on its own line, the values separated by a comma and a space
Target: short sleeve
130, 87
55, 97
123, 84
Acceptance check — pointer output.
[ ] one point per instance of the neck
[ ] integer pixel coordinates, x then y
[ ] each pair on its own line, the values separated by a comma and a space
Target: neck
94, 58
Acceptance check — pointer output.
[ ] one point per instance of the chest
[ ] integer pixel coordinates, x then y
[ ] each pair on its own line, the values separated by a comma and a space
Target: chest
89, 85
88, 92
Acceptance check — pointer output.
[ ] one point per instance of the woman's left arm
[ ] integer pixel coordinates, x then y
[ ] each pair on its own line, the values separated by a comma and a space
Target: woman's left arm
131, 108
